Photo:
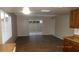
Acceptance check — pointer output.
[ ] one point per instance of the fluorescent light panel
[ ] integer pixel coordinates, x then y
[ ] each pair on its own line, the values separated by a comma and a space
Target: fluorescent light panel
45, 10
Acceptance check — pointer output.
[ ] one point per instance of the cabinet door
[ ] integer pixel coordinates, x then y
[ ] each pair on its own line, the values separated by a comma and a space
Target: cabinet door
68, 46
72, 19
77, 19
75, 47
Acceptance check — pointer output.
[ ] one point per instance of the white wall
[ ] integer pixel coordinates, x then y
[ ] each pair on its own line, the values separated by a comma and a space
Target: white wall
23, 26
14, 26
48, 26
5, 27
62, 26
76, 31
57, 26
0, 31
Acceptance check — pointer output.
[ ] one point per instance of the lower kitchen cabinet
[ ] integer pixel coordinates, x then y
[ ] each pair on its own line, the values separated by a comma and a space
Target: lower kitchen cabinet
70, 46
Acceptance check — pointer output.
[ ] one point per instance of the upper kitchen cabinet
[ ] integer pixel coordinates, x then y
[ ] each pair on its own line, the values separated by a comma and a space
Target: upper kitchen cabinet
74, 19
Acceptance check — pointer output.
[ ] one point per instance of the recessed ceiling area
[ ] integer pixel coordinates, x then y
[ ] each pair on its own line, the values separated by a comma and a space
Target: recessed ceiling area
37, 10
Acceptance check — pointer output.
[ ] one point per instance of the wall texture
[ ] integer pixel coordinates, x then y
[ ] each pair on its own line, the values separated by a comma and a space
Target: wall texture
48, 26
62, 26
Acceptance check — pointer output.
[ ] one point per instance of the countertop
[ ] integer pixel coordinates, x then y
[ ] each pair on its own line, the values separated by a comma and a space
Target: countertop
74, 38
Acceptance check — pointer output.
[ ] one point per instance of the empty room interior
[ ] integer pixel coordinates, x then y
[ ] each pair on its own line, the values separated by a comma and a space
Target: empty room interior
39, 29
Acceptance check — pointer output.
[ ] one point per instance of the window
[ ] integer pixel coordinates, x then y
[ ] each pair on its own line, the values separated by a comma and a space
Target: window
35, 21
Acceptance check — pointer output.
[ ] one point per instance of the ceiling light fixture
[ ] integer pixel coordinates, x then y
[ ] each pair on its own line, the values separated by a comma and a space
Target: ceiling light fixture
26, 10
45, 10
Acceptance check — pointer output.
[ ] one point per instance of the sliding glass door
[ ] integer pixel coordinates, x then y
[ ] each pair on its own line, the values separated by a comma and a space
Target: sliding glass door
35, 27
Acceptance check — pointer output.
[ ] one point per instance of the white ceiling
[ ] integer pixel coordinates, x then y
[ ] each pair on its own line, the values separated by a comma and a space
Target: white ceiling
37, 10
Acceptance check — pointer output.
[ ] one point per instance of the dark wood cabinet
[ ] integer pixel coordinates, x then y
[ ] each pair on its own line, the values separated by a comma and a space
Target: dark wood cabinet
75, 46
74, 19
67, 45
70, 46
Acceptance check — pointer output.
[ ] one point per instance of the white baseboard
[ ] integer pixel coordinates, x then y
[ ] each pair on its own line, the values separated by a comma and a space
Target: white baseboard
59, 37
36, 33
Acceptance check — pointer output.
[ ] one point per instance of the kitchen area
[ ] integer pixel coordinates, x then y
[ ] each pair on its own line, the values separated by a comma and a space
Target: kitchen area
71, 43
